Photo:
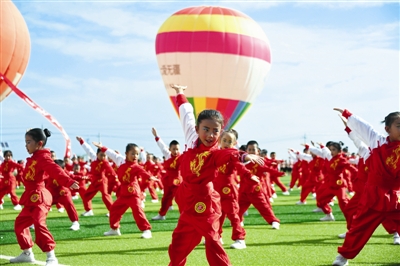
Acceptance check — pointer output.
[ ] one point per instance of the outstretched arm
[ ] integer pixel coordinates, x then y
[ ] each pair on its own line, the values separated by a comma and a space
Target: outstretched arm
164, 148
86, 147
186, 114
117, 158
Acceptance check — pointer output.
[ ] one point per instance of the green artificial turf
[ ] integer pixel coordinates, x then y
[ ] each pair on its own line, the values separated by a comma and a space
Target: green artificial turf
302, 239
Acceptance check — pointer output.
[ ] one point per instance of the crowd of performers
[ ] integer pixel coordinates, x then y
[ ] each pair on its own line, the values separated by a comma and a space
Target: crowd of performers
210, 180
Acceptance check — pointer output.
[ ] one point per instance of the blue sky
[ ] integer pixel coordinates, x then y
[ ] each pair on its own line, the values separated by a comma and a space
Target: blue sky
93, 67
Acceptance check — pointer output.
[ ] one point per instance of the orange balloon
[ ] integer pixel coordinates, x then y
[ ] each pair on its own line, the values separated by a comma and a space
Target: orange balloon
15, 46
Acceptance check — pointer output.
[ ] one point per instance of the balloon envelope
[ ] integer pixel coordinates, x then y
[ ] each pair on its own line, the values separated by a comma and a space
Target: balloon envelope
14, 46
221, 54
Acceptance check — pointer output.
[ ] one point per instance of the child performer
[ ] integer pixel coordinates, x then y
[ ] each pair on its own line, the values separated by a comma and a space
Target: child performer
9, 181
254, 193
380, 200
226, 186
172, 178
198, 202
129, 192
37, 199
62, 195
274, 163
99, 169
334, 184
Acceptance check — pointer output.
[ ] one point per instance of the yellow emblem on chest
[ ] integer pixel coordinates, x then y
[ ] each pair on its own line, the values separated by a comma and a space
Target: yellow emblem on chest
393, 160
31, 171
197, 163
127, 175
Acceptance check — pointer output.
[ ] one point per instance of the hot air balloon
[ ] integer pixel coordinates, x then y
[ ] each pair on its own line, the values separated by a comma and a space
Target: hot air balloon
14, 46
221, 54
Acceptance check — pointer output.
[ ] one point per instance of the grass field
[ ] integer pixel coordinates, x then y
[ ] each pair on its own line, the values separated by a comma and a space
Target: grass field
302, 239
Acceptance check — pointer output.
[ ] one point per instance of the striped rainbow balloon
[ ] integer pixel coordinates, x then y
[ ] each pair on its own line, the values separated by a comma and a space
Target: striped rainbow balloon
221, 54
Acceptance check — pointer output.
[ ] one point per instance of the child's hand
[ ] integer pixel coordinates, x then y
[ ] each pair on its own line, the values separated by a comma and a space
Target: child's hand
97, 144
339, 110
154, 131
344, 120
79, 139
254, 159
179, 89
74, 185
255, 179
153, 178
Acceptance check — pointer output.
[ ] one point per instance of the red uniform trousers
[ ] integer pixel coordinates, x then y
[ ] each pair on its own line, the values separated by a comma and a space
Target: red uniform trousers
230, 209
354, 204
63, 197
121, 205
35, 215
325, 194
307, 188
94, 187
363, 226
192, 226
259, 201
295, 176
170, 187
278, 182
8, 186
146, 184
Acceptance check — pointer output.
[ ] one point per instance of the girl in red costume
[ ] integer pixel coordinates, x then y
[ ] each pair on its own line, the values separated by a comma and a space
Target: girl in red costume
100, 171
226, 186
9, 181
37, 199
129, 191
334, 185
198, 202
380, 200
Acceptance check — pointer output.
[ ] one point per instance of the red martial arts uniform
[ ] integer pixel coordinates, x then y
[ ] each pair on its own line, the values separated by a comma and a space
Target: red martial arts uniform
153, 170
37, 200
381, 198
171, 179
98, 179
129, 196
9, 182
62, 195
227, 188
198, 202
254, 193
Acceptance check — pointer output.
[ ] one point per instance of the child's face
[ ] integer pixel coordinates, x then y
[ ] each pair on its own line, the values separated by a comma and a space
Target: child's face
333, 150
227, 141
8, 157
77, 169
101, 156
208, 131
394, 130
273, 155
31, 145
133, 154
174, 149
252, 149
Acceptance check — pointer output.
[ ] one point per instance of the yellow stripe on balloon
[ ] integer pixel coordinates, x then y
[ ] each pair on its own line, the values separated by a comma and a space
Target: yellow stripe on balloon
218, 23
200, 103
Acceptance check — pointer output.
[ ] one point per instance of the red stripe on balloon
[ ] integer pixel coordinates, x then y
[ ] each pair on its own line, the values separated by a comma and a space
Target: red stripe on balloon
212, 42
210, 10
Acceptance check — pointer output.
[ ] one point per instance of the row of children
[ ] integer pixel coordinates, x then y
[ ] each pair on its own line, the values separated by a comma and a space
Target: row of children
206, 178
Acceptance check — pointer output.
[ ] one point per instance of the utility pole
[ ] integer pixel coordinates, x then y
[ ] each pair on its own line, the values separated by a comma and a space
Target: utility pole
99, 138
305, 138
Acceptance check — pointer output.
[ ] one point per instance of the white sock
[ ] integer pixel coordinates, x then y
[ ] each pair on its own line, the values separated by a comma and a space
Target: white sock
28, 251
50, 254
